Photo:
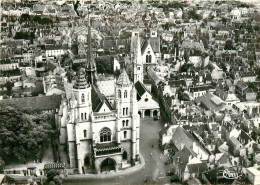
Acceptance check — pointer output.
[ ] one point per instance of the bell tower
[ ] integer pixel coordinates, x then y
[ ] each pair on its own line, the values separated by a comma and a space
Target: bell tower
127, 116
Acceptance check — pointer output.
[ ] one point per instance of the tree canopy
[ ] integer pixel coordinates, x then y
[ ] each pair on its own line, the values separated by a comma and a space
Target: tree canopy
53, 177
24, 136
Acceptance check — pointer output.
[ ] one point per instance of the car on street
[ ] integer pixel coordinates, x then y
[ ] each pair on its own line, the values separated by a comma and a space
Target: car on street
156, 118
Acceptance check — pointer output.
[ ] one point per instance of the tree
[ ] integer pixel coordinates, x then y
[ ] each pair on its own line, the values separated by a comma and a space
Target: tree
186, 66
24, 136
37, 19
69, 76
2, 164
53, 177
229, 45
9, 86
25, 18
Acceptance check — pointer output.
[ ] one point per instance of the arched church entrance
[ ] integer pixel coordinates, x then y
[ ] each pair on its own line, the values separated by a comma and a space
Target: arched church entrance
155, 113
108, 165
147, 113
139, 112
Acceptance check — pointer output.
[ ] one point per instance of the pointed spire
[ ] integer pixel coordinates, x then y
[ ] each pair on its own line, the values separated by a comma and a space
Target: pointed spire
90, 61
91, 66
123, 78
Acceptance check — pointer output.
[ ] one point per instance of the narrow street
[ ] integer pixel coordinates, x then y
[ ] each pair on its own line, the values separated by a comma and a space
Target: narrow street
154, 170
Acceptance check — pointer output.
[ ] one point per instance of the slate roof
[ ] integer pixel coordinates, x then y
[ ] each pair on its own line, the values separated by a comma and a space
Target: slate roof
144, 46
182, 158
245, 136
206, 102
241, 85
200, 88
140, 89
182, 137
33, 103
123, 78
106, 87
197, 168
155, 43
98, 100
234, 141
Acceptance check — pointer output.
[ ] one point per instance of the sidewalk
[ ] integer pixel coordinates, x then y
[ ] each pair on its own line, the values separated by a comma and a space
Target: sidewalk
112, 174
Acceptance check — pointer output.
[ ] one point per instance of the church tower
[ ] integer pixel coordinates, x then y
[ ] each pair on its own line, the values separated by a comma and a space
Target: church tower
91, 65
137, 57
82, 113
127, 117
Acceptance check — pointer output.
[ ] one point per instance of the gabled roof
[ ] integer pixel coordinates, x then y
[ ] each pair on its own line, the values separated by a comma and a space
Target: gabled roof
182, 158
182, 137
98, 100
155, 43
144, 46
241, 85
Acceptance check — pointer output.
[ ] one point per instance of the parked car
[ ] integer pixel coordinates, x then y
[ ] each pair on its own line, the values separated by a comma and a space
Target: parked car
156, 118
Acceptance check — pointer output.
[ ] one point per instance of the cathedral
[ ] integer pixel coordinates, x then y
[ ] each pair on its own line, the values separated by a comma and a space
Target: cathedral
99, 136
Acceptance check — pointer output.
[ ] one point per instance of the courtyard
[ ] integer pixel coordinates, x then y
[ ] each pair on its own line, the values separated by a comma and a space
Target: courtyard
154, 170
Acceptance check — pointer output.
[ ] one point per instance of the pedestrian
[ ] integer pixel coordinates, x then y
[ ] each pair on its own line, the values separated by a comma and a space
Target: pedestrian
152, 146
151, 153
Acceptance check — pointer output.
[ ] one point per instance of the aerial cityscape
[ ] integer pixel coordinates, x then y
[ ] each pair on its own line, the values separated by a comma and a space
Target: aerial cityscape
129, 92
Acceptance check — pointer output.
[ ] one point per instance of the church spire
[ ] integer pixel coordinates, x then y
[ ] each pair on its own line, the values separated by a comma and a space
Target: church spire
91, 66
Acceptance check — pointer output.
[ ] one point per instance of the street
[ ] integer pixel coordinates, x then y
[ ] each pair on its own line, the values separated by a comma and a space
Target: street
154, 170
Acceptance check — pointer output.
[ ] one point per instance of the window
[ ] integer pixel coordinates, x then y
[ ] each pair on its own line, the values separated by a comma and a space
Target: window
125, 94
127, 121
125, 133
83, 98
138, 68
82, 116
126, 111
148, 58
123, 123
85, 133
123, 111
85, 116
119, 93
146, 99
105, 135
